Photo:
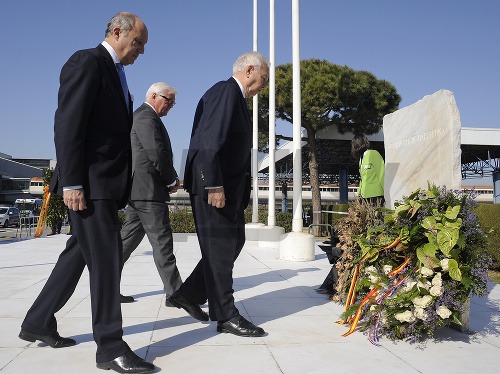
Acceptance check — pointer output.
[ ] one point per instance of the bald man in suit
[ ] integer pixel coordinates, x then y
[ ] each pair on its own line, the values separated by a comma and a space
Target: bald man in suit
92, 138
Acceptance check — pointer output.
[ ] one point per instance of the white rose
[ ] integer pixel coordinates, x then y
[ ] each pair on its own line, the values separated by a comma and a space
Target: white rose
383, 318
435, 290
443, 312
444, 264
425, 271
370, 269
422, 302
437, 281
409, 285
374, 279
420, 313
387, 269
426, 285
406, 316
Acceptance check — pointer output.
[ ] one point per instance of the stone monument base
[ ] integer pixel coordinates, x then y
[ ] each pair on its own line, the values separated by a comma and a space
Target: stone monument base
252, 230
269, 236
464, 319
296, 246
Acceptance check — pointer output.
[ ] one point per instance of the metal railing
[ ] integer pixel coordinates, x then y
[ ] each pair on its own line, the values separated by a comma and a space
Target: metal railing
27, 226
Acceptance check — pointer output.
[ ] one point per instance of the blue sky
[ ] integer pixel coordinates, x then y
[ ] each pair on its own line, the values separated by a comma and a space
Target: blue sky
420, 46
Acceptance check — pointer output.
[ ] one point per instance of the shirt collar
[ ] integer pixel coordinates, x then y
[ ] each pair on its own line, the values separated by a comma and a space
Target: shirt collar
241, 86
111, 51
151, 106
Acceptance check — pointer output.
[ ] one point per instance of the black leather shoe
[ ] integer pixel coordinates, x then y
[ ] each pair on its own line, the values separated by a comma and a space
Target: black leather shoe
192, 309
168, 304
128, 363
241, 327
126, 299
326, 291
54, 339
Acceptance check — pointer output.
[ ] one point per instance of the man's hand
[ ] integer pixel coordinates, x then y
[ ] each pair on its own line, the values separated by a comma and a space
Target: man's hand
74, 199
175, 187
216, 197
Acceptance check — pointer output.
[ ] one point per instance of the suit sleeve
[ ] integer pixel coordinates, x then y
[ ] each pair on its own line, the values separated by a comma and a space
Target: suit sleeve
158, 149
215, 123
79, 84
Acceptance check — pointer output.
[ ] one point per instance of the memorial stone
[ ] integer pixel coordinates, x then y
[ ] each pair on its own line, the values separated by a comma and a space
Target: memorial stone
422, 144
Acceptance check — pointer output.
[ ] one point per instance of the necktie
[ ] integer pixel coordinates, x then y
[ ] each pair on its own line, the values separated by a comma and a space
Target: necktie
123, 81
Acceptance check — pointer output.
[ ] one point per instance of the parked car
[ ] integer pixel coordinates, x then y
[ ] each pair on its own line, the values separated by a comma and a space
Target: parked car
9, 216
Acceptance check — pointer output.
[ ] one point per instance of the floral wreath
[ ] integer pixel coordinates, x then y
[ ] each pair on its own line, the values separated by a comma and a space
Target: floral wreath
406, 272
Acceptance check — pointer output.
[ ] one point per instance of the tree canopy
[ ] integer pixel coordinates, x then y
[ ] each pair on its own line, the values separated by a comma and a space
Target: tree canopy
354, 101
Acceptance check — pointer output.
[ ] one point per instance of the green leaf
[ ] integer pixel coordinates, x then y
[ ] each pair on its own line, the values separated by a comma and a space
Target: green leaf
350, 311
461, 241
467, 281
455, 252
453, 223
421, 255
430, 250
447, 238
416, 205
404, 235
373, 255
454, 271
413, 195
389, 219
400, 209
426, 254
429, 223
432, 190
455, 318
452, 212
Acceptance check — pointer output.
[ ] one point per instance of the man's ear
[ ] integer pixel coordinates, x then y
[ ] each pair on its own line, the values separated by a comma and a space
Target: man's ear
249, 70
116, 33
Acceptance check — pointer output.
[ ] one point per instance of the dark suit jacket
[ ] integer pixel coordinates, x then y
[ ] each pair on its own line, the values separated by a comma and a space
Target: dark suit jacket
221, 141
152, 159
92, 128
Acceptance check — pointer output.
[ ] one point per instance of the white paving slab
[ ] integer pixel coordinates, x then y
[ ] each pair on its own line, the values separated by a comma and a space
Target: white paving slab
302, 336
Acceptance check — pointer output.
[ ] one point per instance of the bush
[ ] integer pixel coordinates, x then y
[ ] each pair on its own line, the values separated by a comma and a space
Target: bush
489, 221
331, 218
282, 219
182, 221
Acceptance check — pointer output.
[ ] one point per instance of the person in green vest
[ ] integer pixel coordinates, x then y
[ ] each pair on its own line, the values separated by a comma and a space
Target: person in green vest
371, 170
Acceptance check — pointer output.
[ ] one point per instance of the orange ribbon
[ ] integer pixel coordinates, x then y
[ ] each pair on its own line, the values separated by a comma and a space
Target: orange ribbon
373, 291
42, 220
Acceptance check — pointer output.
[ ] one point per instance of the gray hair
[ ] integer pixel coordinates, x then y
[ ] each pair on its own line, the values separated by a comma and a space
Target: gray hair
160, 88
125, 21
254, 58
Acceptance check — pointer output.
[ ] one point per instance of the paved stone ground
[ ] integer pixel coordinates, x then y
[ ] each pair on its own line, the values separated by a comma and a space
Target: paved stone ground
277, 295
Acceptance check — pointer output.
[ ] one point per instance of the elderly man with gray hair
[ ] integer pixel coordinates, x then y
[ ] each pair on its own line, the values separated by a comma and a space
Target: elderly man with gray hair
153, 179
217, 177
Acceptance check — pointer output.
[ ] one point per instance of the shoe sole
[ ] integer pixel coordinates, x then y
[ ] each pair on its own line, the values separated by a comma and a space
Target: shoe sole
106, 366
175, 304
33, 338
226, 331
27, 336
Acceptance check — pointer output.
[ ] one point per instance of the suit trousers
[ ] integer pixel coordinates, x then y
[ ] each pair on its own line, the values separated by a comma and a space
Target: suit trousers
151, 218
96, 243
221, 235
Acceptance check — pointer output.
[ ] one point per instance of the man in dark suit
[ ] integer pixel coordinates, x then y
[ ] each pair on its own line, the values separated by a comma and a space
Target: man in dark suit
217, 177
153, 178
92, 138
